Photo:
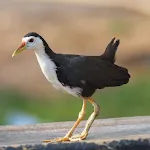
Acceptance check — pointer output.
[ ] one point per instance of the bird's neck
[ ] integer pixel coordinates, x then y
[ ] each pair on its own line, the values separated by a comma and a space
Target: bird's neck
44, 49
45, 52
47, 65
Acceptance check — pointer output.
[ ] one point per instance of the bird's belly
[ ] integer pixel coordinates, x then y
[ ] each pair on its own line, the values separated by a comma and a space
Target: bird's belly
75, 91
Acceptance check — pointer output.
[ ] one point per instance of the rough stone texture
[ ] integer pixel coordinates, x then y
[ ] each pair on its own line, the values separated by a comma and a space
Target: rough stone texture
115, 145
105, 134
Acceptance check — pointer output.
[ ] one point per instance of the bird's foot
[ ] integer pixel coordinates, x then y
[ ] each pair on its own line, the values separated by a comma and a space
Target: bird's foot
62, 139
79, 137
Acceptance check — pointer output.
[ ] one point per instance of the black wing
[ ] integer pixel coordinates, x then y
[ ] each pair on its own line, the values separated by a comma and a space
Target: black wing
75, 70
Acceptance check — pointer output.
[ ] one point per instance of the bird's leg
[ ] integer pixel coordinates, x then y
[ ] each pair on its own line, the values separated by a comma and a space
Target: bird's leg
69, 134
89, 122
80, 118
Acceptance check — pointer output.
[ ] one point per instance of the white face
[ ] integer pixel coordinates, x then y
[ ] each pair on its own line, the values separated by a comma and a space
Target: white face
33, 43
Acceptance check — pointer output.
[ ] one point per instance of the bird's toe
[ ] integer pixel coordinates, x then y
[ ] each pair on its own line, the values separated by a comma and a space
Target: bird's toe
62, 139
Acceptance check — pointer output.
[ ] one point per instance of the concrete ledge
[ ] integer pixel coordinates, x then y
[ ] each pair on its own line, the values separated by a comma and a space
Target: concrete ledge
118, 133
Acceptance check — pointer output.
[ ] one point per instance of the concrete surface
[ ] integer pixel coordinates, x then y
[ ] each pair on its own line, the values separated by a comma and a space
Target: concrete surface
117, 133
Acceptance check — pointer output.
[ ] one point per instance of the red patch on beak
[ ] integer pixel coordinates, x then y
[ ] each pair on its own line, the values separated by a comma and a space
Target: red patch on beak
22, 45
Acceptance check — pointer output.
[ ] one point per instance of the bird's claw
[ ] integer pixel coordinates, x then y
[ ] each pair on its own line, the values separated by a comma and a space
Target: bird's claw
62, 139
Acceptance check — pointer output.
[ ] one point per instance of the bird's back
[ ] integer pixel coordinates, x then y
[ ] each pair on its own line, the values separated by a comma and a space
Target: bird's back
89, 71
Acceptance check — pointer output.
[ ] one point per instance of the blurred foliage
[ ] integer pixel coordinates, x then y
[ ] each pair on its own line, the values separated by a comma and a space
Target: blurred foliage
130, 100
120, 26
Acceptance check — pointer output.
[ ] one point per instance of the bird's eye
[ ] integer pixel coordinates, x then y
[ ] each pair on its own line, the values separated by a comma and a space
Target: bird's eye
31, 40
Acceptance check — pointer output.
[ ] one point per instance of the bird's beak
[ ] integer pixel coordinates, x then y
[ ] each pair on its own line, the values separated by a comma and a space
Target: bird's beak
20, 49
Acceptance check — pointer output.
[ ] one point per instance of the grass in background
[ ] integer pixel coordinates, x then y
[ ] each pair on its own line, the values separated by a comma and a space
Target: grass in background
130, 100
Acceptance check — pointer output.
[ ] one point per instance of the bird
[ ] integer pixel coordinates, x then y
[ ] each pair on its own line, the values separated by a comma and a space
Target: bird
79, 75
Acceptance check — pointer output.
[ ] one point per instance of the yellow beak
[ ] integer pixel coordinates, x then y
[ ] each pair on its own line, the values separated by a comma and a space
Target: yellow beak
20, 49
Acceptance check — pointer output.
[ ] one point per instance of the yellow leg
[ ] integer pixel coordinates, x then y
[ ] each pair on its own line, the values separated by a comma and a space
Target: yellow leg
69, 134
89, 122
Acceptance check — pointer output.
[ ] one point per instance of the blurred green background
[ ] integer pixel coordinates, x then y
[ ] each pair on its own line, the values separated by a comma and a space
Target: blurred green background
75, 27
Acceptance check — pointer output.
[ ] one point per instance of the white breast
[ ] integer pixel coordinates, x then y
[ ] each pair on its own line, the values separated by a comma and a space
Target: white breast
49, 70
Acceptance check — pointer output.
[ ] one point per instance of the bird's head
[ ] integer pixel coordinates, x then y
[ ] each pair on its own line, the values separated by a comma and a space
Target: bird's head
31, 41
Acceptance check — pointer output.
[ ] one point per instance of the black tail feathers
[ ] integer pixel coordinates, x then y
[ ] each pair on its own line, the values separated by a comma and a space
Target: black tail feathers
119, 77
110, 51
